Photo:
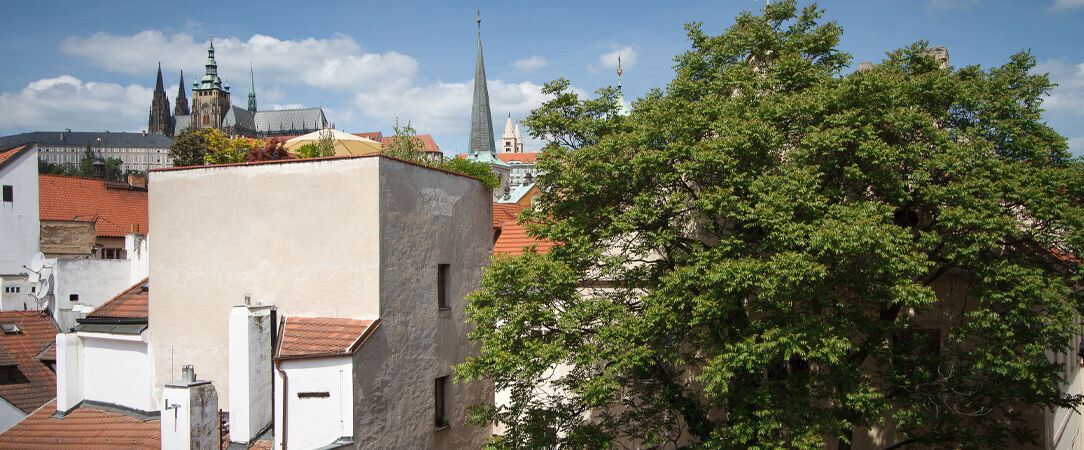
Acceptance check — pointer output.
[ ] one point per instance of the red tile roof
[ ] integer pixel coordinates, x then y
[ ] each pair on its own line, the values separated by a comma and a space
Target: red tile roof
36, 332
505, 212
4, 156
130, 304
86, 427
307, 337
514, 240
113, 206
521, 157
427, 141
372, 135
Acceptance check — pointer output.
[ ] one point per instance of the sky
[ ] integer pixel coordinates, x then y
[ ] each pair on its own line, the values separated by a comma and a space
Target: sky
91, 66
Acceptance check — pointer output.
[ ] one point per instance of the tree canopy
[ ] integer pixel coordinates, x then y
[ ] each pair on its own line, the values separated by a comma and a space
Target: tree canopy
772, 251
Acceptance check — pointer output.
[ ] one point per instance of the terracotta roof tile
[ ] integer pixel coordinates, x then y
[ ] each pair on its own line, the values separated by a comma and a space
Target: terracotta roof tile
130, 304
372, 135
320, 336
521, 157
113, 206
427, 140
505, 212
514, 240
36, 332
86, 427
4, 156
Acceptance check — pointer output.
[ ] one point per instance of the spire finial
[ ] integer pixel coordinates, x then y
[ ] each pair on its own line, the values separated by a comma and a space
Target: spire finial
479, 20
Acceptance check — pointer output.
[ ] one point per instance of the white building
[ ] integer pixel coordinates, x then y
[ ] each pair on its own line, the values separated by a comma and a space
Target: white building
137, 151
19, 224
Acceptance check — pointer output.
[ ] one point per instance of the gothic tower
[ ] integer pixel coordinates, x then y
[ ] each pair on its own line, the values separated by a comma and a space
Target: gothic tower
210, 97
481, 122
160, 121
181, 105
511, 140
251, 92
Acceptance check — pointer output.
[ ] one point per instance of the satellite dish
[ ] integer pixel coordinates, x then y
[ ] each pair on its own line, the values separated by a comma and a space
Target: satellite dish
43, 287
37, 262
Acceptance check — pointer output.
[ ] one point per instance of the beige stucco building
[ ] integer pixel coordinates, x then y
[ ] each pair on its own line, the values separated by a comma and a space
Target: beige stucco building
356, 238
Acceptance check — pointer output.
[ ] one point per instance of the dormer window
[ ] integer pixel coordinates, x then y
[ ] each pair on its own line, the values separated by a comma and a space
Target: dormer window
10, 328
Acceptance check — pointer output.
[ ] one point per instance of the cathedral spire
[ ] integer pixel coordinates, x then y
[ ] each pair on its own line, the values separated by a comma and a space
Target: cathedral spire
180, 107
481, 121
251, 90
159, 120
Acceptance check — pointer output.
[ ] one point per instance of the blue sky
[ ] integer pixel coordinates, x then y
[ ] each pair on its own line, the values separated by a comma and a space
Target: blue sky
91, 65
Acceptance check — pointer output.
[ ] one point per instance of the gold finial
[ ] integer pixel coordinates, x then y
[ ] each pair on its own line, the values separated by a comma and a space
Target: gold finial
479, 19
618, 64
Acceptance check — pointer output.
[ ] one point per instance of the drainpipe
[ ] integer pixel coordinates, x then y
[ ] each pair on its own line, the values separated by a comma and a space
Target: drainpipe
285, 401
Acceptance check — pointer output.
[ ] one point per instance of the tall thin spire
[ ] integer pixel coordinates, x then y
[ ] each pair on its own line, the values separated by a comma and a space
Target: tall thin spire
481, 121
158, 86
251, 91
181, 106
159, 120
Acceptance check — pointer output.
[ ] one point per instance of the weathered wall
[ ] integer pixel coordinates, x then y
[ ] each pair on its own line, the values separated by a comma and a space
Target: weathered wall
300, 235
19, 218
427, 217
116, 369
315, 422
17, 301
63, 238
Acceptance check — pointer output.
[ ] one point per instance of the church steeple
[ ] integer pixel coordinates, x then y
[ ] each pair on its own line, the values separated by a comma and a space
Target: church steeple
481, 121
622, 110
251, 91
211, 97
180, 107
159, 120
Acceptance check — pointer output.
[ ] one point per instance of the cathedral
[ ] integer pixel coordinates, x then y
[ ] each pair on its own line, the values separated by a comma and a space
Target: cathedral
211, 108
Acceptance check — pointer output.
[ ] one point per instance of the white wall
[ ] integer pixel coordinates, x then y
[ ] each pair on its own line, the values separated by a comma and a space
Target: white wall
116, 369
317, 421
300, 235
19, 220
17, 301
94, 280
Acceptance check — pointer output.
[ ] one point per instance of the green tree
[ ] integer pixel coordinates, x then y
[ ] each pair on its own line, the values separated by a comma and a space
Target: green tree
757, 255
222, 149
188, 148
405, 144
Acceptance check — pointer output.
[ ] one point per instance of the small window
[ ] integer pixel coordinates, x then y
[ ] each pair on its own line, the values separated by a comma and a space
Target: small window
74, 298
9, 194
313, 394
9, 328
442, 286
11, 375
440, 405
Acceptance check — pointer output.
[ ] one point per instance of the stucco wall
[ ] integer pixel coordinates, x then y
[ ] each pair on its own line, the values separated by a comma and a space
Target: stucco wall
95, 281
117, 371
301, 235
315, 421
19, 218
427, 218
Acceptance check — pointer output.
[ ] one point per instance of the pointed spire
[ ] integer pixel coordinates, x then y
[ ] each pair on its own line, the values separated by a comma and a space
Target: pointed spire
251, 90
158, 86
181, 106
508, 132
481, 121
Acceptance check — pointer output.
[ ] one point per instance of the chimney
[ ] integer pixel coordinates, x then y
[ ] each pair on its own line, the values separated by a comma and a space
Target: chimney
250, 341
137, 180
189, 417
69, 379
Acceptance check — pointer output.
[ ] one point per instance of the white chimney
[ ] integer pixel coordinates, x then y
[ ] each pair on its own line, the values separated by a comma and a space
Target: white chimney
189, 417
69, 380
250, 378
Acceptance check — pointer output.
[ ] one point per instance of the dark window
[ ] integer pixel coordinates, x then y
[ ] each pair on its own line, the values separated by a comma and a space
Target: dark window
442, 286
313, 394
11, 375
440, 392
9, 195
73, 298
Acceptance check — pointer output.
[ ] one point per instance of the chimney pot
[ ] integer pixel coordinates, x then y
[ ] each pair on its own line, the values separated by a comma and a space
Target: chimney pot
188, 373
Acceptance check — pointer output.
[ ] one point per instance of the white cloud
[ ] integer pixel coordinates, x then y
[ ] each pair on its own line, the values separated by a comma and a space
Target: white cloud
1065, 104
944, 5
609, 60
67, 102
532, 63
337, 63
1065, 5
